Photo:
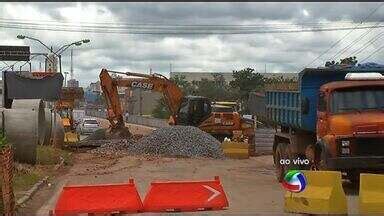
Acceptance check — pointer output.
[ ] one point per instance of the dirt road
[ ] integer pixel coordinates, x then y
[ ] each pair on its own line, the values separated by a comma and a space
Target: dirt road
249, 184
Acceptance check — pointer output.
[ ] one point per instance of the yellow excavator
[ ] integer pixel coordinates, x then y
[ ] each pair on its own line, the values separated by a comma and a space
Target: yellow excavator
185, 110
64, 106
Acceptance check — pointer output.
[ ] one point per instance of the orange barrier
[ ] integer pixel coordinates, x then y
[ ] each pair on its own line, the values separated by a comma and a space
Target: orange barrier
185, 196
104, 199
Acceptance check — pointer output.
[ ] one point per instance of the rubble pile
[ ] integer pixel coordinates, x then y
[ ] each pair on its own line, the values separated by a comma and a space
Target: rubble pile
176, 141
183, 141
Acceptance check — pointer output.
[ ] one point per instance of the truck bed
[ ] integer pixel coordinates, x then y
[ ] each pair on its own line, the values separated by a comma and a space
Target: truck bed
285, 107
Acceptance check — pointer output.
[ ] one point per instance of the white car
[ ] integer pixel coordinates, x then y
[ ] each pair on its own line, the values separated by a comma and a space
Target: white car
89, 126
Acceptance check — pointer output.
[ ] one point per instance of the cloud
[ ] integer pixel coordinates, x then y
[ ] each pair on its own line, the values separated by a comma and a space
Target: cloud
279, 52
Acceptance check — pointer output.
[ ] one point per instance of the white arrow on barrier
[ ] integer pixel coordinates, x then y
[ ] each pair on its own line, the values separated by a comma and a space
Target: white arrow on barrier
215, 192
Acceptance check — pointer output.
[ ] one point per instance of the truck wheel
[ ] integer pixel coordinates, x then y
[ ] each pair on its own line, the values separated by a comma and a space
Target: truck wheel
280, 153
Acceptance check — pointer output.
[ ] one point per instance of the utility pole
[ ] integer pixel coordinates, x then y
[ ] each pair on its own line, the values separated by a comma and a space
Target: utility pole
170, 69
71, 64
140, 102
65, 78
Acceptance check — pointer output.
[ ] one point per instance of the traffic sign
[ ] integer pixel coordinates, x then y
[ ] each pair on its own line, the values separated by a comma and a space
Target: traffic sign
14, 53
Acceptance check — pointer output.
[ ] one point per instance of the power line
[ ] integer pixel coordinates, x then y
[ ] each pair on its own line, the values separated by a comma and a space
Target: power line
346, 48
366, 44
337, 42
90, 30
166, 27
170, 25
377, 50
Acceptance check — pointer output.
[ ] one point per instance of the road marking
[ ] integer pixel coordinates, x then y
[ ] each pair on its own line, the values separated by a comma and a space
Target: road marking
215, 192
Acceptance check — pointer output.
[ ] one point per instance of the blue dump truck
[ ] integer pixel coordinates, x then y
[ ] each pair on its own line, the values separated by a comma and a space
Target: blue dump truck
333, 121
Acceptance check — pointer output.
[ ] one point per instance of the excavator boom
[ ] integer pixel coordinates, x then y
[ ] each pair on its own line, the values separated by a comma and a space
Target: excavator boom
152, 82
189, 110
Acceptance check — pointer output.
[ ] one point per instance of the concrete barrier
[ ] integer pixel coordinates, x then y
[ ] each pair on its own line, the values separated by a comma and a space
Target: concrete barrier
147, 121
133, 119
21, 131
35, 106
26, 126
96, 113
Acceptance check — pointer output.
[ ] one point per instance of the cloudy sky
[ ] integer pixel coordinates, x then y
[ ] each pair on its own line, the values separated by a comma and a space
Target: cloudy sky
109, 26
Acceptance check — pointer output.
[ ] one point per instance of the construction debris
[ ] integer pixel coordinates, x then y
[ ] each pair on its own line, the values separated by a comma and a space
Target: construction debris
115, 147
184, 141
176, 141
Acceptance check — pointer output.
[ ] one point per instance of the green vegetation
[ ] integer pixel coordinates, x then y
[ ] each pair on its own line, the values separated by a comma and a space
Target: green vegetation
48, 155
25, 176
217, 89
161, 111
23, 180
3, 139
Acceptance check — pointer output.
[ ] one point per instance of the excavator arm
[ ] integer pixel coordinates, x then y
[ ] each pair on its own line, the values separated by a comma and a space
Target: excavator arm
154, 82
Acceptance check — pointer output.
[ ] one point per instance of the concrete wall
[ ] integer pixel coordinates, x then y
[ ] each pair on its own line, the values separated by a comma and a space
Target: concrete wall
133, 119
146, 105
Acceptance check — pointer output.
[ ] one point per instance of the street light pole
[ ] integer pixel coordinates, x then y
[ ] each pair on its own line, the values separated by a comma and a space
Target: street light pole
60, 63
60, 50
65, 79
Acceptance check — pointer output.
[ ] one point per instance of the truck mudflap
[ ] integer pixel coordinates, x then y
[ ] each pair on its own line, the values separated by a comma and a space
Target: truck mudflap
356, 162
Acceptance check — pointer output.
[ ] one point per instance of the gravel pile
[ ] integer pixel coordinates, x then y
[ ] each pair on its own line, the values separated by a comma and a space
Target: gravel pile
176, 141
183, 141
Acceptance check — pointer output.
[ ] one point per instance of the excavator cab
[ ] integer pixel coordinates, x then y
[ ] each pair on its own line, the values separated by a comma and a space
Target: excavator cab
194, 110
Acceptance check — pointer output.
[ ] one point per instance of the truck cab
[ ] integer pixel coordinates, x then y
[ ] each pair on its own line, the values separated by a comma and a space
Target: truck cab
333, 121
350, 124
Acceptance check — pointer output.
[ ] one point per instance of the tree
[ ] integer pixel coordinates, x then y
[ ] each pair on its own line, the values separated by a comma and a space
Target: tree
161, 110
185, 86
346, 61
246, 81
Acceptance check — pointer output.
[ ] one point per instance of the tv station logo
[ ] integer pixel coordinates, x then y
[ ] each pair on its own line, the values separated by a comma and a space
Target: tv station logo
294, 181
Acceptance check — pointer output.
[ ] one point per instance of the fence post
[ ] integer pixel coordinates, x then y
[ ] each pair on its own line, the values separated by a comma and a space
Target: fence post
6, 161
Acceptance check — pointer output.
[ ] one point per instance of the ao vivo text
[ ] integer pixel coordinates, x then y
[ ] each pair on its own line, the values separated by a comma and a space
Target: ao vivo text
297, 161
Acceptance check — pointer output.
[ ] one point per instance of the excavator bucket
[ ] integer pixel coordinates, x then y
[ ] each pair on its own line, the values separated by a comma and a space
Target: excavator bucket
235, 150
71, 137
46, 86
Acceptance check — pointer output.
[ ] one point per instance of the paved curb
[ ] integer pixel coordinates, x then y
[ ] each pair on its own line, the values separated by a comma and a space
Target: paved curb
31, 191
60, 164
20, 202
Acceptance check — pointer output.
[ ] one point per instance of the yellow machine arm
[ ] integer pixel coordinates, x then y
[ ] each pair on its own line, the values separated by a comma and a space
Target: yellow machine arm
154, 82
